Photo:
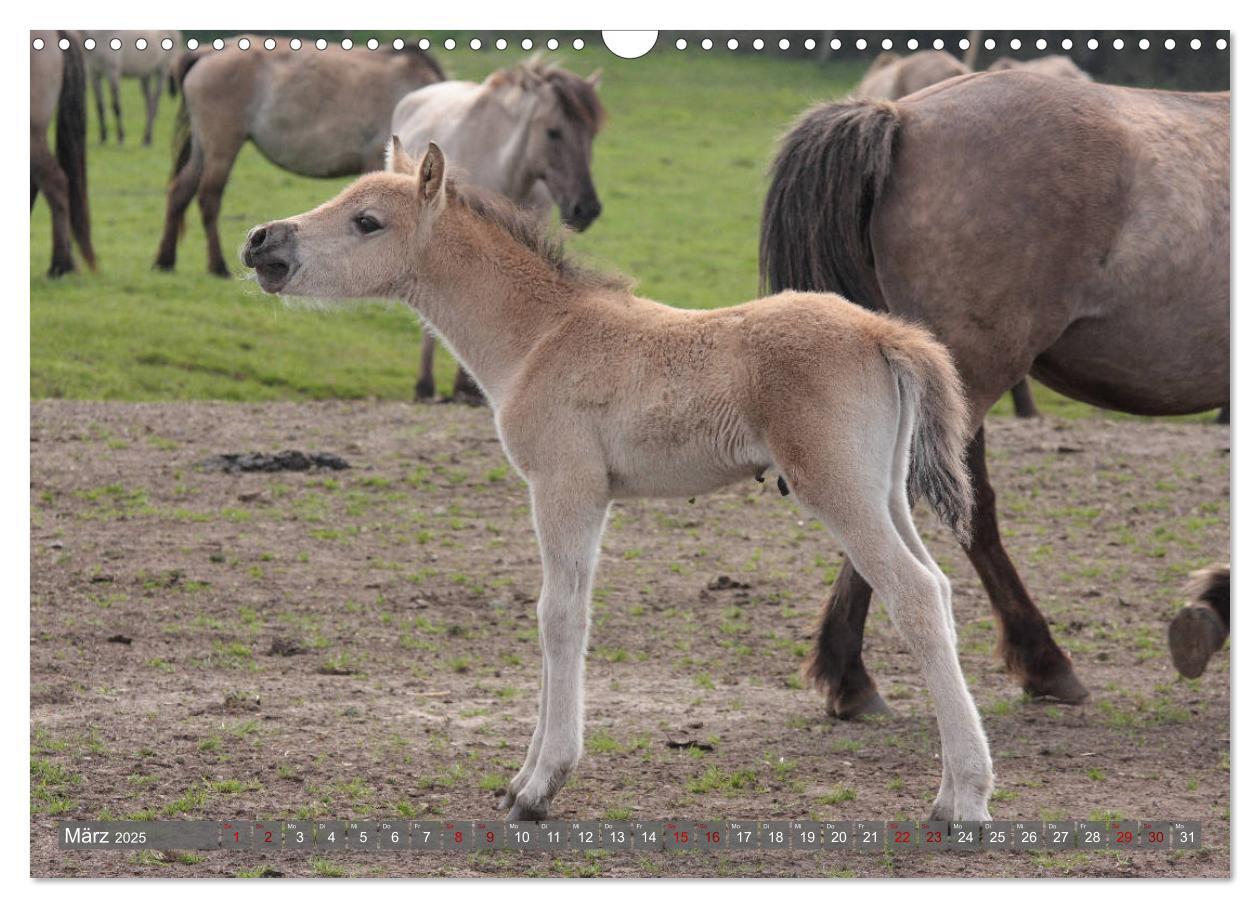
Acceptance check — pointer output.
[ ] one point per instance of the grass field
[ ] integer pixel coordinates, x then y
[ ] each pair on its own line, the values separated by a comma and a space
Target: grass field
680, 168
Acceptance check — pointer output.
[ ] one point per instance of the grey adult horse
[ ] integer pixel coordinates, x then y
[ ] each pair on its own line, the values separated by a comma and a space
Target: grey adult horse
59, 90
139, 55
526, 132
1073, 231
310, 112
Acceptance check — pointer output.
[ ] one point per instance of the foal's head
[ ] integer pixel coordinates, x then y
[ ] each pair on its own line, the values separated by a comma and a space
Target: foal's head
365, 242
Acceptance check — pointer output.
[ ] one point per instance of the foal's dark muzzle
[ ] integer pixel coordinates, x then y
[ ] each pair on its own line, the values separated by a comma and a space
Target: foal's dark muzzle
269, 251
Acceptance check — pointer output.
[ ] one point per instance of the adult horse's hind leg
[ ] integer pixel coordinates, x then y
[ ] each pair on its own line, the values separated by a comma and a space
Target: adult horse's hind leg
48, 176
835, 666
214, 177
1026, 645
117, 104
1023, 401
424, 383
179, 196
151, 88
467, 391
99, 92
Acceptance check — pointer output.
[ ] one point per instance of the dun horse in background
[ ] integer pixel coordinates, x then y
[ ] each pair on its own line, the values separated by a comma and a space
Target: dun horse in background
151, 64
59, 90
600, 395
1073, 231
892, 76
527, 133
310, 113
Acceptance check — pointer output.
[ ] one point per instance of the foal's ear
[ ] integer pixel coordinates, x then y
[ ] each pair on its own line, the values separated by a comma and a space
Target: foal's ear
396, 159
432, 177
594, 78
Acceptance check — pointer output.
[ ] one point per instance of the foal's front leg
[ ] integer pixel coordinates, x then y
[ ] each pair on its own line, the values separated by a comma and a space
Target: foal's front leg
569, 517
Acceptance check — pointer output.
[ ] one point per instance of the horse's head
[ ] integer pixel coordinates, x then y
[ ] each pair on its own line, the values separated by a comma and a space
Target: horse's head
567, 115
362, 243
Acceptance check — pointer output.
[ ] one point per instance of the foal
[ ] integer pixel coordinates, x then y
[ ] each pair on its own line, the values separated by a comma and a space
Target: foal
599, 395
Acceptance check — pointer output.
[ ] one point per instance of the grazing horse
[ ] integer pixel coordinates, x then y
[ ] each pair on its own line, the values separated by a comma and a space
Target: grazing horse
1073, 231
150, 63
59, 89
318, 114
526, 133
892, 76
600, 395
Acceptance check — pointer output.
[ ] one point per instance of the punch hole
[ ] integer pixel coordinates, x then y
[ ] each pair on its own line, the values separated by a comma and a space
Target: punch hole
270, 44
320, 43
193, 43
373, 44
449, 43
64, 44
707, 44
578, 44
142, 44
1195, 43
886, 44
399, 44
681, 44
501, 44
912, 44
758, 44
835, 43
938, 44
527, 43
475, 44
630, 45
963, 44
552, 44
732, 44
1221, 44
295, 44
1016, 44
243, 44
38, 44
114, 44
346, 44
1041, 44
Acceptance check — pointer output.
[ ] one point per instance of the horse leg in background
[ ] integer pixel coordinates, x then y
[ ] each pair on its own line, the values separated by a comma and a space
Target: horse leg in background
151, 88
214, 177
117, 104
466, 390
835, 666
100, 103
1022, 399
1026, 645
1202, 626
1222, 418
569, 514
179, 196
424, 383
48, 176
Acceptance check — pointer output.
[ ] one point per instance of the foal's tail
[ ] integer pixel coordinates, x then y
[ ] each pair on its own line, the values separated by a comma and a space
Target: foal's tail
932, 400
825, 182
72, 144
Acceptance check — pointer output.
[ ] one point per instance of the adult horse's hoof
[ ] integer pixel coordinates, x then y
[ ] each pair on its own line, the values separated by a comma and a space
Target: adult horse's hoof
1064, 687
424, 391
61, 268
522, 811
468, 398
1193, 636
856, 706
219, 269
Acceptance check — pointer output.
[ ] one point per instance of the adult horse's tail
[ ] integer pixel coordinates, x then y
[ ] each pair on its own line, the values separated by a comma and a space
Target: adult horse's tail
825, 182
934, 413
72, 143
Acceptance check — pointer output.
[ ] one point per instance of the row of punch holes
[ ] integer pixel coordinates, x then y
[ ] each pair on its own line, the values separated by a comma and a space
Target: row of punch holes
911, 44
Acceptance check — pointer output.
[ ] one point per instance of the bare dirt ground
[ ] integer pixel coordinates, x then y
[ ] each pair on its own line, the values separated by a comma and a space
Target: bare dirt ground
362, 644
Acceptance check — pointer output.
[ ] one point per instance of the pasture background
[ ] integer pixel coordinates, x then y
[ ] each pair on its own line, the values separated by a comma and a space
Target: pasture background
680, 169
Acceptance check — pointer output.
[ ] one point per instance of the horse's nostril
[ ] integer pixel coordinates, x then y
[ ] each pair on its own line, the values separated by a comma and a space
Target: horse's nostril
257, 237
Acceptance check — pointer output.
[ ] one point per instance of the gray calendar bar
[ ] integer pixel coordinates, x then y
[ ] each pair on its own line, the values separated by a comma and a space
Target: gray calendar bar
869, 836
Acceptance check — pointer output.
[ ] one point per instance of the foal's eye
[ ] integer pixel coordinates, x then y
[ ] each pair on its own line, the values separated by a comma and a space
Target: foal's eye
366, 224
553, 134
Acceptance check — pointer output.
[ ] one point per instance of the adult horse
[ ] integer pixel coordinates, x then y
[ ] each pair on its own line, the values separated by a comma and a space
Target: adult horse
893, 76
527, 133
314, 113
139, 55
59, 90
1073, 231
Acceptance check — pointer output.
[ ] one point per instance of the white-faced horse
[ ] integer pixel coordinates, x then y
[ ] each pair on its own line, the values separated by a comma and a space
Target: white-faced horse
527, 133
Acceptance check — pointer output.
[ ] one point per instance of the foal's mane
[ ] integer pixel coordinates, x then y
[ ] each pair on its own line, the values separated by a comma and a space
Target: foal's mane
535, 234
578, 97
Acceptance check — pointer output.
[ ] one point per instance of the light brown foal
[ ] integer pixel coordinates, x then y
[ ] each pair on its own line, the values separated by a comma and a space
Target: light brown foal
601, 395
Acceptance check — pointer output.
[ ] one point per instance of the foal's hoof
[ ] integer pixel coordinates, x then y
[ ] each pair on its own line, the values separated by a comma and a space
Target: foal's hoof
1193, 636
506, 802
851, 707
522, 811
1064, 687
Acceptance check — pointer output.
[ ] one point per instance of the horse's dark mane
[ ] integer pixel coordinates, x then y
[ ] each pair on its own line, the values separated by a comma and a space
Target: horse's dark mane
425, 57
535, 234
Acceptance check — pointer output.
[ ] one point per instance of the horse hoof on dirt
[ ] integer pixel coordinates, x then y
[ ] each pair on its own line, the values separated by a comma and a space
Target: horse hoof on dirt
1064, 687
507, 801
859, 706
522, 811
1193, 636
